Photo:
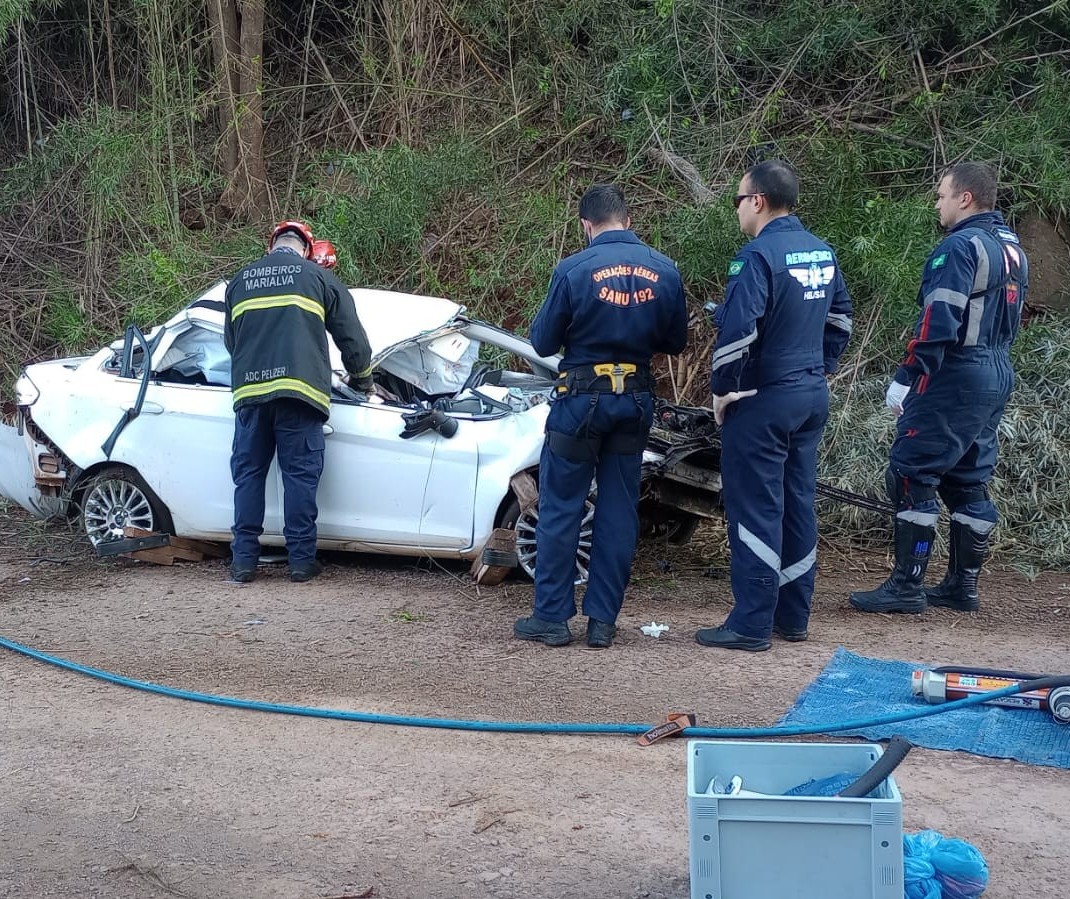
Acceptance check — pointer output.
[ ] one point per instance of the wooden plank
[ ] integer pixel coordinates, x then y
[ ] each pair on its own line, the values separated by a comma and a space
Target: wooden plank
500, 540
523, 485
186, 555
205, 547
126, 545
177, 548
130, 531
160, 555
490, 575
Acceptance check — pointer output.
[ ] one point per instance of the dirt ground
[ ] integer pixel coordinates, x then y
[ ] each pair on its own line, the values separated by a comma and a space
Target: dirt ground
105, 791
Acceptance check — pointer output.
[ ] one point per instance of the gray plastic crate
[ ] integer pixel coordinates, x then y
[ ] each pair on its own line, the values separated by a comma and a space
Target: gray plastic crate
790, 847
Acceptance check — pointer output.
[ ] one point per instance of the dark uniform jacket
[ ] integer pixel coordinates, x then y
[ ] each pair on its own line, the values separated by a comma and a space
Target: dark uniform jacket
277, 310
616, 301
786, 310
972, 292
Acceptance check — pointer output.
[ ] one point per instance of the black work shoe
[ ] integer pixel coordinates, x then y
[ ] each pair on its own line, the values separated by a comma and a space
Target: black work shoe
552, 633
242, 574
791, 636
600, 633
966, 554
959, 601
301, 573
886, 598
957, 591
726, 639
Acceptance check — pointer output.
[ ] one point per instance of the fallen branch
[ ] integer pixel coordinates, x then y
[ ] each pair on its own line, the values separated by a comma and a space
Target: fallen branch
150, 874
684, 170
498, 818
467, 800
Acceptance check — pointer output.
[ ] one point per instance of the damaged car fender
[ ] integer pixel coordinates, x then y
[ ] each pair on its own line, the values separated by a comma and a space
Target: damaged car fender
17, 473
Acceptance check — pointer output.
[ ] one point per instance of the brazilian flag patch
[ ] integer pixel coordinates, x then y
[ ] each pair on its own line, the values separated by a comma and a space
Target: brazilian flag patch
735, 267
939, 260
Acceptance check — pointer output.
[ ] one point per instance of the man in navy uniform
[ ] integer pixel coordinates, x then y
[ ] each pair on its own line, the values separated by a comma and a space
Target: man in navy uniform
784, 323
949, 393
276, 313
611, 306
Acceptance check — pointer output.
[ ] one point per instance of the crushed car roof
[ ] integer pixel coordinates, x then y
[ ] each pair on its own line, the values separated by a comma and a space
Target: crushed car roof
388, 317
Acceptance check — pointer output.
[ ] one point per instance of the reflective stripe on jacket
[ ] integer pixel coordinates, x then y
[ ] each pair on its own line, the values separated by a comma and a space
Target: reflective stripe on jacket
278, 311
972, 291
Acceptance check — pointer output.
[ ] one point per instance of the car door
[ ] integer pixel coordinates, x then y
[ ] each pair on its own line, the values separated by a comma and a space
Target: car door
374, 487
181, 444
181, 441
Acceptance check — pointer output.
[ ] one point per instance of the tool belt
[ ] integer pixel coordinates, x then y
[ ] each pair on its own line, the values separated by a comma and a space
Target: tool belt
605, 377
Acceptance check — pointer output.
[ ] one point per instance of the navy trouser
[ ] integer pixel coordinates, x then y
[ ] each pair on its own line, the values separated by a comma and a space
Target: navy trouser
295, 430
946, 441
769, 469
611, 421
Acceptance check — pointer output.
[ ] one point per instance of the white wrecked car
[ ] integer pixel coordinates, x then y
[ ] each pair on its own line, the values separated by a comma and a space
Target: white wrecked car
139, 434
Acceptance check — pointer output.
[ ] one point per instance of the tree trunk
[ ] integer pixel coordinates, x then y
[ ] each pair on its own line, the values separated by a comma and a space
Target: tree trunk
223, 18
246, 194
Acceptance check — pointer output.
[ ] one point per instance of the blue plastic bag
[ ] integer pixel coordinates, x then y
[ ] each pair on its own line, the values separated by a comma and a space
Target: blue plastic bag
825, 786
935, 867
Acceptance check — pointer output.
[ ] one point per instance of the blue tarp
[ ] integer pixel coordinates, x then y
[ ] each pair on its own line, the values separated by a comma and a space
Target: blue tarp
854, 687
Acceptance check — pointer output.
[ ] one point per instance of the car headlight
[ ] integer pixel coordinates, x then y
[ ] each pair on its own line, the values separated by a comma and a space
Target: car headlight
26, 393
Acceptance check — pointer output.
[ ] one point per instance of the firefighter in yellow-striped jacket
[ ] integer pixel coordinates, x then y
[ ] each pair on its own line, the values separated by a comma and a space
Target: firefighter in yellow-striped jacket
278, 310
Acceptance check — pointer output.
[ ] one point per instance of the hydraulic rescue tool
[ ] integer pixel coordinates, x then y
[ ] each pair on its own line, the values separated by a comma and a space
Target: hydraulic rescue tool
951, 682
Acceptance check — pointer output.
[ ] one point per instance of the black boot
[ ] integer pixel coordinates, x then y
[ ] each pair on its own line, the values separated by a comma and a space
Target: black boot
904, 591
966, 553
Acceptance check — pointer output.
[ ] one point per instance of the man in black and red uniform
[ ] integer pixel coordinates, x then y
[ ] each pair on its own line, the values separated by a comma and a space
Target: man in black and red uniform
278, 312
949, 394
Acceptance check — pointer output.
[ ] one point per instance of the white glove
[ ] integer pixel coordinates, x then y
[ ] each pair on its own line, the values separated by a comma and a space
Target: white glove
721, 403
895, 396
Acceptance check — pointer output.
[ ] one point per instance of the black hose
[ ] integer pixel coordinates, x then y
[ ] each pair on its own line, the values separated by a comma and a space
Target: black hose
987, 672
897, 750
855, 499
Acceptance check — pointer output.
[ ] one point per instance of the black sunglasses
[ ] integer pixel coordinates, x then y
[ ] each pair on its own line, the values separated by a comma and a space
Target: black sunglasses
739, 198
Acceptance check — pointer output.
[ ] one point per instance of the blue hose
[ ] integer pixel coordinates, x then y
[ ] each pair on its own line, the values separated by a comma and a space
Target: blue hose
524, 727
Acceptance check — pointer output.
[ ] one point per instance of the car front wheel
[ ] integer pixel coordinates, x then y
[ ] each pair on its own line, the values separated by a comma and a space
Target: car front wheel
524, 523
117, 498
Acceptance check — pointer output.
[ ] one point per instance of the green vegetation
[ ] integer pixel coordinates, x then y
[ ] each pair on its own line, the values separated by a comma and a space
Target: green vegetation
442, 148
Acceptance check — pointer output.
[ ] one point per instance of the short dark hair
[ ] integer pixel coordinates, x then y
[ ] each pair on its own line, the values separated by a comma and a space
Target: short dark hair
604, 203
979, 178
777, 181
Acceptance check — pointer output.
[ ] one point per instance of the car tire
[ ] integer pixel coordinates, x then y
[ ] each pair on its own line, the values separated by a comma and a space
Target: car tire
523, 525
117, 497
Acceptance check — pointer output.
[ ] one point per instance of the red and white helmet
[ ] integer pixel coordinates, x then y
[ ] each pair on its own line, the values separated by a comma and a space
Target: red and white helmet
300, 229
324, 253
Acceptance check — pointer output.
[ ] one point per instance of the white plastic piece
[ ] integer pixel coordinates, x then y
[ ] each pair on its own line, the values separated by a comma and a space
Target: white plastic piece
654, 629
450, 347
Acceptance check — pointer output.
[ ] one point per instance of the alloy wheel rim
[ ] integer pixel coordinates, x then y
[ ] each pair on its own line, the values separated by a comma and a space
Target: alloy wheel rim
112, 505
525, 541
